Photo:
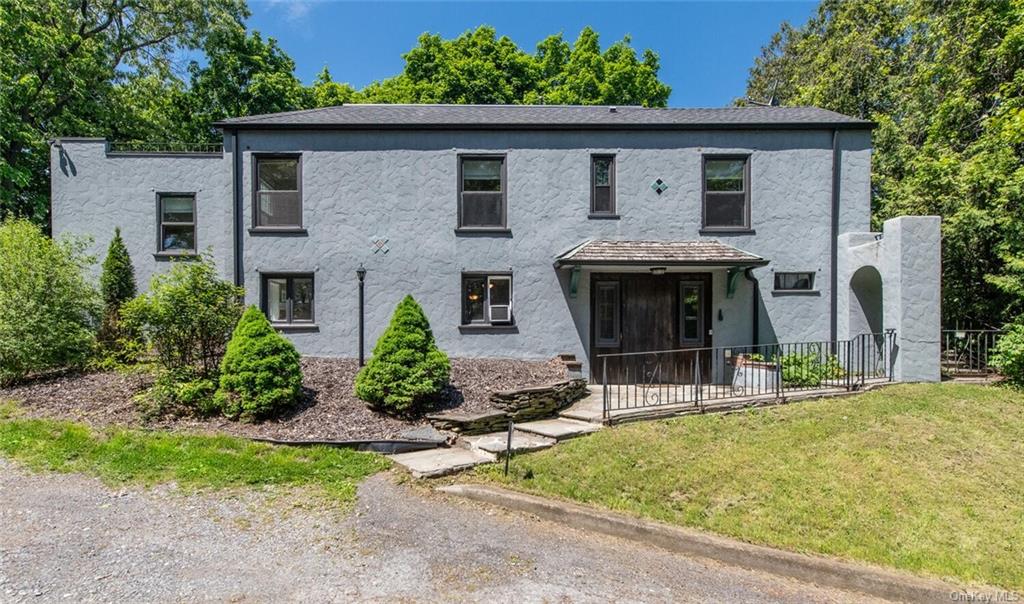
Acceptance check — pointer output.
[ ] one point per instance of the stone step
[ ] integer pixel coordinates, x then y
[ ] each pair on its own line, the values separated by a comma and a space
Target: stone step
439, 462
559, 428
588, 409
496, 443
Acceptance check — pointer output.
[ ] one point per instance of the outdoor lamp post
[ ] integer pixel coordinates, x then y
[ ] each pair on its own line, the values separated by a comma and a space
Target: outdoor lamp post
361, 274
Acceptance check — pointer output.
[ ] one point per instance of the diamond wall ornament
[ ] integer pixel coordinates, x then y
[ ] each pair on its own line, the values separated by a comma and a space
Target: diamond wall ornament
380, 245
659, 186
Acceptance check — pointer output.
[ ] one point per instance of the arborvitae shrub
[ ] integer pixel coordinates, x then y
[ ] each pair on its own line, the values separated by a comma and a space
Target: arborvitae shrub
117, 286
407, 371
260, 375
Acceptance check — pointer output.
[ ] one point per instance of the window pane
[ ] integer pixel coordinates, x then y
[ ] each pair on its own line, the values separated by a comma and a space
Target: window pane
279, 209
178, 238
482, 209
602, 172
302, 304
500, 291
278, 174
277, 299
607, 313
473, 297
481, 175
177, 209
725, 209
794, 280
691, 313
724, 174
603, 200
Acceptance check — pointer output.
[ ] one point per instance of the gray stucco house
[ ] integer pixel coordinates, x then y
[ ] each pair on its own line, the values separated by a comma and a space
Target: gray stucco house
530, 231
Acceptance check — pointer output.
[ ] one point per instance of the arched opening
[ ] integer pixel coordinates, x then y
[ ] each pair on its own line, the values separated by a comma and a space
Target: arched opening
866, 301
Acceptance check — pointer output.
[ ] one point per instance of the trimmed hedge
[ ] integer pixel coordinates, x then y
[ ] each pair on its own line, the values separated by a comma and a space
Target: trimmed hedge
407, 371
260, 375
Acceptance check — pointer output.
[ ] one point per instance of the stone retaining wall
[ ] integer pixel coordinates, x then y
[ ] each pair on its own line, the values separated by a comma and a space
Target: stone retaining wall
522, 405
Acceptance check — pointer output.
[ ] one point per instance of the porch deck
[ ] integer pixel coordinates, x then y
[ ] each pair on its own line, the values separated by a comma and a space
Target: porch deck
632, 402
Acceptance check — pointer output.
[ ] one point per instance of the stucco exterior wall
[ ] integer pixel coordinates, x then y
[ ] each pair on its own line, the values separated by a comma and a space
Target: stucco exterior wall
402, 186
93, 192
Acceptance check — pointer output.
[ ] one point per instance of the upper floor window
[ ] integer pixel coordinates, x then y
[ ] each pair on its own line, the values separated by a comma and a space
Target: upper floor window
602, 184
288, 299
726, 192
486, 299
177, 213
278, 192
794, 281
482, 189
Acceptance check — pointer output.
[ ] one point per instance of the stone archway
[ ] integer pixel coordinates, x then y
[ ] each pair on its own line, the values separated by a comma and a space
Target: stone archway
866, 314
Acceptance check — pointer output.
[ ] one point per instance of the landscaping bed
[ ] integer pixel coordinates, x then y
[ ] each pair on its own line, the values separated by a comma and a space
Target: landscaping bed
924, 477
328, 410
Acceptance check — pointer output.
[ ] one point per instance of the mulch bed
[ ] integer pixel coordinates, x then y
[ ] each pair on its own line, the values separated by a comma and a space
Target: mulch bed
329, 410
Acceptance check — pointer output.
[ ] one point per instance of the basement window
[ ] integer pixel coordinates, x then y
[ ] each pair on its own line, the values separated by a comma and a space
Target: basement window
794, 281
487, 299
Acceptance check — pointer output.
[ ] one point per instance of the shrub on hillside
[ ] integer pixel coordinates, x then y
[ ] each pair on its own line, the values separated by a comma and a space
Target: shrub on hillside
48, 309
407, 371
260, 375
117, 287
187, 316
1008, 355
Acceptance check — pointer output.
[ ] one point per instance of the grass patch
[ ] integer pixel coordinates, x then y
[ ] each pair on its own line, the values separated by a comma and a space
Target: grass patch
120, 455
926, 478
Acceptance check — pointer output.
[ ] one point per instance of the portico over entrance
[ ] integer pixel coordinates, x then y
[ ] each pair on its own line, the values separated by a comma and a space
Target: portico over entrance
652, 295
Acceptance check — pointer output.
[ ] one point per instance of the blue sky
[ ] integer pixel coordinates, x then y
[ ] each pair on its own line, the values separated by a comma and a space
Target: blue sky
706, 48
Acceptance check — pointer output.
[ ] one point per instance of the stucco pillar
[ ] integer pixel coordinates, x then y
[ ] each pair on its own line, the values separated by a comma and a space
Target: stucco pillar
912, 265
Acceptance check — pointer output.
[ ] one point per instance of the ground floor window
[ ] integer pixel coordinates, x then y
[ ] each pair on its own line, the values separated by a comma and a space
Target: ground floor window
288, 298
487, 299
177, 223
794, 281
607, 314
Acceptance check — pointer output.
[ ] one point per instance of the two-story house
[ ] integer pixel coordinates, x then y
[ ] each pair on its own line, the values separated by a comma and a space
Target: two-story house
529, 231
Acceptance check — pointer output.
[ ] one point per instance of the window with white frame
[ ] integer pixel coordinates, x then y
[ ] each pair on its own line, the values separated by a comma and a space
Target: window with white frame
487, 299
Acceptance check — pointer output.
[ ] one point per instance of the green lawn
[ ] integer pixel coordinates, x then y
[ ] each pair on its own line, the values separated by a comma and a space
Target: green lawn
926, 478
193, 462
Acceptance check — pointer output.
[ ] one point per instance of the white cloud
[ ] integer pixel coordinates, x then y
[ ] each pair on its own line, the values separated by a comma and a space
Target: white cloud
295, 11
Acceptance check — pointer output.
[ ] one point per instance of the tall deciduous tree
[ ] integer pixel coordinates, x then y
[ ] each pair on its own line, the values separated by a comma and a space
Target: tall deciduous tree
58, 62
944, 82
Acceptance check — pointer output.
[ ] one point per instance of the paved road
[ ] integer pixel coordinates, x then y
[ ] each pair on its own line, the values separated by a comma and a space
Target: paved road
72, 539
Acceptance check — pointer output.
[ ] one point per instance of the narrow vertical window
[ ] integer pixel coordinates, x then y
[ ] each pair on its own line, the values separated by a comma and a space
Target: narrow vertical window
602, 189
277, 192
607, 317
177, 223
691, 306
726, 193
487, 299
482, 191
288, 299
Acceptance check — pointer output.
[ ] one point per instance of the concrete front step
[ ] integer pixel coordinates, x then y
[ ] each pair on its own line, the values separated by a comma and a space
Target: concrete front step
439, 462
559, 428
496, 443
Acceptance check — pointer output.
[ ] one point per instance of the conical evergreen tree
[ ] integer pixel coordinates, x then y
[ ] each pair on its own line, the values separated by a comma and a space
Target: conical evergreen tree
260, 375
407, 371
117, 286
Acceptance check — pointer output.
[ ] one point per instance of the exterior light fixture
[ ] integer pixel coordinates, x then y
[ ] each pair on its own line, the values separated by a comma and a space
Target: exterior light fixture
658, 270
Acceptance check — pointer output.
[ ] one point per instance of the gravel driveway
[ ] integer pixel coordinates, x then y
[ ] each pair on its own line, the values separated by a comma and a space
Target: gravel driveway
68, 538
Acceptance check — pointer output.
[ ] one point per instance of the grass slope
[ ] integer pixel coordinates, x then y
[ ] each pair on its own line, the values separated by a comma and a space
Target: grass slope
926, 478
133, 456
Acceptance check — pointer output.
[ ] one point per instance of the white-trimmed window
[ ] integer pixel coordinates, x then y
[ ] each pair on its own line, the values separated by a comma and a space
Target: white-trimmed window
487, 299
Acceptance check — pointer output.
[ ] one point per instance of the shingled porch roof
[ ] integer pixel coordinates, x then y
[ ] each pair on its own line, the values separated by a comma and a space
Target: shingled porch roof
706, 252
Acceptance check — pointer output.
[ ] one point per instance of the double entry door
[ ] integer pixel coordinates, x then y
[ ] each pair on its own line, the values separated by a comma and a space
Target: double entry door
646, 313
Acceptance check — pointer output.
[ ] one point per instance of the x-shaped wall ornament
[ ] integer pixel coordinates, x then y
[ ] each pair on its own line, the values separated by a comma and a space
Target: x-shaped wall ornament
380, 245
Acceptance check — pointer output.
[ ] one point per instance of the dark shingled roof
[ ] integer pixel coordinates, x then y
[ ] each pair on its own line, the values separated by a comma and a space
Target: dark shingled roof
706, 252
545, 117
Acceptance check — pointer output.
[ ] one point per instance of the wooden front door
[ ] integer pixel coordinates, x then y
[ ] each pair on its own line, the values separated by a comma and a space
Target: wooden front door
641, 312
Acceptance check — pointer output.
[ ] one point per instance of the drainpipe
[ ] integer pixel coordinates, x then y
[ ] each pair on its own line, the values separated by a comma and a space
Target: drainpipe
236, 191
833, 325
755, 318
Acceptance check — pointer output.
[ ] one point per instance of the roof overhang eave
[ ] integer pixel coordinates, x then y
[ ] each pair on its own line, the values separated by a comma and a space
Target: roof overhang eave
705, 264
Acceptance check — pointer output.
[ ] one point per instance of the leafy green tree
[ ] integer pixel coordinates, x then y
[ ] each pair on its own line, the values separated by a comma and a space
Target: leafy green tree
407, 370
325, 92
188, 316
58, 64
48, 310
944, 82
260, 375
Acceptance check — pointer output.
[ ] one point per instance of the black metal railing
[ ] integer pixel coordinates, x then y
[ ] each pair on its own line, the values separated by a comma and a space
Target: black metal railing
699, 377
965, 352
156, 148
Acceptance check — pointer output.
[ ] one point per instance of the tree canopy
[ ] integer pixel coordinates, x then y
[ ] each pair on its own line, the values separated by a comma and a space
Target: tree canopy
944, 82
